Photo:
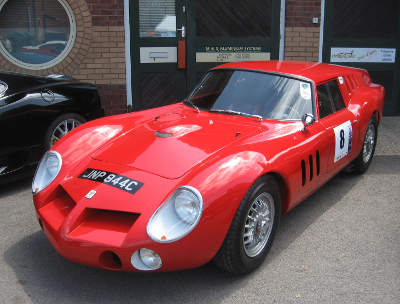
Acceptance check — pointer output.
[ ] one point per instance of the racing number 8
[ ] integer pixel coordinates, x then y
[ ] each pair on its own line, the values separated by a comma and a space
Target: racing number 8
342, 141
343, 134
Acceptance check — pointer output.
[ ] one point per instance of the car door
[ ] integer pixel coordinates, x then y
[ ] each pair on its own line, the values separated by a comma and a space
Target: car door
340, 124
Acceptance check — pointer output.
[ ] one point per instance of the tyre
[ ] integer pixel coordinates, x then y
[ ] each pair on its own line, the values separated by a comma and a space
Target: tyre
253, 228
61, 126
364, 159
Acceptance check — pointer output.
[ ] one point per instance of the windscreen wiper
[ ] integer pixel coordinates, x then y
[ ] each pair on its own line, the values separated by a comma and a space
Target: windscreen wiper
237, 113
193, 105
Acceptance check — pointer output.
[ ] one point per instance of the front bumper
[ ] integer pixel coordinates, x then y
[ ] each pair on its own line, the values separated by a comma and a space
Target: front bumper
105, 230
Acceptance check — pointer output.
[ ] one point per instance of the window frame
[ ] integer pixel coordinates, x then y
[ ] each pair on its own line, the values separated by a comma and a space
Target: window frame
56, 60
333, 105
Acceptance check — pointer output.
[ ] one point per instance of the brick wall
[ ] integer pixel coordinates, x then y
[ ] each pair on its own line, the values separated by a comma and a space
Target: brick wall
302, 43
104, 64
107, 12
301, 34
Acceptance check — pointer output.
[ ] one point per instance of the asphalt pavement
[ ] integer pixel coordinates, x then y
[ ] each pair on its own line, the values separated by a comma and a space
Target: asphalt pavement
341, 245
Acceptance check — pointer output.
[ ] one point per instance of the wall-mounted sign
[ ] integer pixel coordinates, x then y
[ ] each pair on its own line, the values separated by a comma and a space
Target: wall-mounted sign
158, 54
375, 55
231, 53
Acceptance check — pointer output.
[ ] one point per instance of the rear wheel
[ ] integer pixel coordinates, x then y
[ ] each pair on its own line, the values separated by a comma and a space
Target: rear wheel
253, 228
364, 159
61, 126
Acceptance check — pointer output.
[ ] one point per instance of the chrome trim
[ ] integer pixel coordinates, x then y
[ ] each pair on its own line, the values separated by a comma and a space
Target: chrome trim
3, 88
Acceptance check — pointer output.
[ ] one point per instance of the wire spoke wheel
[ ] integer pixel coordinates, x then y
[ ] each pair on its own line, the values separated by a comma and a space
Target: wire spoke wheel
253, 228
369, 143
259, 223
364, 159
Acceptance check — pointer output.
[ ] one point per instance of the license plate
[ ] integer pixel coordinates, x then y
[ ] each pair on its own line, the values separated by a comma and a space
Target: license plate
115, 180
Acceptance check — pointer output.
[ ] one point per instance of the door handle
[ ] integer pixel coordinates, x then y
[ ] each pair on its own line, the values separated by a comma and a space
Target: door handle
183, 29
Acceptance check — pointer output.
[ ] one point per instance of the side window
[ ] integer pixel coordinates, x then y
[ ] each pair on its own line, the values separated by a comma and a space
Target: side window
330, 99
337, 98
324, 100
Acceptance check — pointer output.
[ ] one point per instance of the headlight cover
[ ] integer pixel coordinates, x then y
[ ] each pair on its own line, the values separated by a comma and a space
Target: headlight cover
46, 172
177, 216
146, 259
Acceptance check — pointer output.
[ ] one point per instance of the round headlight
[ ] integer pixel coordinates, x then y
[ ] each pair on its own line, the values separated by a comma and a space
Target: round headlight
150, 258
146, 259
187, 206
46, 172
177, 216
53, 164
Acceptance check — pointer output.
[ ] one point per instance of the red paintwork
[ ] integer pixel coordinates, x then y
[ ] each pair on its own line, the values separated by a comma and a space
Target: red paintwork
219, 155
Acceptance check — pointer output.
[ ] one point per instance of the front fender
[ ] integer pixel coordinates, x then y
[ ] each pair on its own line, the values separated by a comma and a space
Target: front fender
223, 183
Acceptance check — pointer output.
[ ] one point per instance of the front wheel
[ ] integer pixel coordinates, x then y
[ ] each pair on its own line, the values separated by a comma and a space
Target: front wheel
61, 126
253, 228
364, 159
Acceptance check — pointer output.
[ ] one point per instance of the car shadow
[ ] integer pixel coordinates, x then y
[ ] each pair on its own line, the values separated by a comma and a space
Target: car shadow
47, 277
14, 187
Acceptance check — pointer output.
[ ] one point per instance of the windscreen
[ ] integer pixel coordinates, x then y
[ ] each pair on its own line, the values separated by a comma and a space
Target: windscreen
255, 93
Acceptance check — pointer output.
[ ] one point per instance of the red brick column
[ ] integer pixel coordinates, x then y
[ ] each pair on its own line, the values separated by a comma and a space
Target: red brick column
302, 36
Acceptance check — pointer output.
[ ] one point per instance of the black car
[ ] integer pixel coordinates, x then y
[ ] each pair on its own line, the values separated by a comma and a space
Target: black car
36, 111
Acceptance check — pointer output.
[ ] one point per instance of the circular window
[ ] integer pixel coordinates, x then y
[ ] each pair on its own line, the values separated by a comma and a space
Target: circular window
36, 35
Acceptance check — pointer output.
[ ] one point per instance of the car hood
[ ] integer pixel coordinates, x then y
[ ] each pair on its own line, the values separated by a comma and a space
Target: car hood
171, 145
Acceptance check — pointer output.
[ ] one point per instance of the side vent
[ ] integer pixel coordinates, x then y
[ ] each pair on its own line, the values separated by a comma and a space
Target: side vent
303, 172
312, 170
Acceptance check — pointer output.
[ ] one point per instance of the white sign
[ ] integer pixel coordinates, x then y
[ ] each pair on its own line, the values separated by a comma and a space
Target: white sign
305, 90
231, 57
158, 54
343, 140
232, 53
374, 55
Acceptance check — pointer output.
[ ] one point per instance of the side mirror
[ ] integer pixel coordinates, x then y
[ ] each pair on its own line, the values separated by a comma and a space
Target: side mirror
308, 120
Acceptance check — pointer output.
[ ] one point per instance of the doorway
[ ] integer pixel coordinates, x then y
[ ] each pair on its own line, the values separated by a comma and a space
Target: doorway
174, 43
366, 34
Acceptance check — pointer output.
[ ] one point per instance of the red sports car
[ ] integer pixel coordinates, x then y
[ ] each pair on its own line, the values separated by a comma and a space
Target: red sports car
207, 179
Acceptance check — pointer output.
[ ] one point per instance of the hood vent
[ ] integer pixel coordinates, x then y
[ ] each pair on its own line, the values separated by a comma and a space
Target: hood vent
161, 134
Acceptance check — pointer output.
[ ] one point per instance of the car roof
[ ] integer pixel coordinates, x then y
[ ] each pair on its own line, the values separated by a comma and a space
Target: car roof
318, 72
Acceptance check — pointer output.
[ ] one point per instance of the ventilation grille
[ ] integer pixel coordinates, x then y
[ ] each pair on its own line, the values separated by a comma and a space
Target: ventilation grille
103, 226
310, 168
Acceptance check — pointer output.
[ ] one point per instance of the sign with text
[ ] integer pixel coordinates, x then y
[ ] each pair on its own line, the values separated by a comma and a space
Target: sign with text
232, 53
374, 55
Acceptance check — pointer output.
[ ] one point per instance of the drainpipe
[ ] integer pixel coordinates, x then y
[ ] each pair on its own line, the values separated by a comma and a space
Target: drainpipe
128, 65
321, 27
282, 31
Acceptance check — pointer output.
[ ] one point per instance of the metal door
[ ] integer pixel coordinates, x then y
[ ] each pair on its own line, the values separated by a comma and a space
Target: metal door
366, 34
174, 42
